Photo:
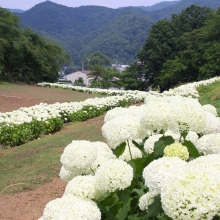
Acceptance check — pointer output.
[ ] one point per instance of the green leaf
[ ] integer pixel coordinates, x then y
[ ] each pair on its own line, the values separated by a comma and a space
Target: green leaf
123, 212
155, 208
115, 208
193, 152
124, 196
119, 150
137, 165
148, 159
140, 192
107, 200
161, 144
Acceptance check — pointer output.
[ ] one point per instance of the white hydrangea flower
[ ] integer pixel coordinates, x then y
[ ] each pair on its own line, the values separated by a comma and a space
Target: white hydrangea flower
121, 129
135, 153
114, 113
71, 207
207, 161
210, 108
78, 157
159, 171
66, 175
149, 143
193, 137
209, 144
175, 114
157, 116
82, 187
145, 200
212, 124
192, 193
114, 174
104, 153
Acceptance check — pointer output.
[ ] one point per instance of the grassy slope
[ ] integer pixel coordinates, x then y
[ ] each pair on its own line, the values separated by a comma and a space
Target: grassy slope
37, 162
210, 95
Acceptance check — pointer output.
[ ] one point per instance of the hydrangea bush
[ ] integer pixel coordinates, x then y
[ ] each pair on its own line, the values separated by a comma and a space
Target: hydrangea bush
167, 170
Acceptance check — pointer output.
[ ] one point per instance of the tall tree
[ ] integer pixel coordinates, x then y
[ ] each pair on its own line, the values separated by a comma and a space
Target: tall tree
103, 77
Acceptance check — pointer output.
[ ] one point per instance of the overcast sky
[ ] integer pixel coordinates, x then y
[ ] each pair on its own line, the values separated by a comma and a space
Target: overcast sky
27, 4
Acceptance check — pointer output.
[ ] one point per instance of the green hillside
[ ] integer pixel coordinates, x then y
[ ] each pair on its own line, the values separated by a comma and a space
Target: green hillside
118, 33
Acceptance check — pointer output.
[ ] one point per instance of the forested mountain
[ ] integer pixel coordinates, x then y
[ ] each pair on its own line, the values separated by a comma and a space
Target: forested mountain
117, 33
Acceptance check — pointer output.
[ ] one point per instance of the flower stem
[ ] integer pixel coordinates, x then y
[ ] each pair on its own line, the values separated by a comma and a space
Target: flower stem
129, 149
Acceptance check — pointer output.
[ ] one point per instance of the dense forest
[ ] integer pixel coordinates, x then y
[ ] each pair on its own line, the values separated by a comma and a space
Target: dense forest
117, 33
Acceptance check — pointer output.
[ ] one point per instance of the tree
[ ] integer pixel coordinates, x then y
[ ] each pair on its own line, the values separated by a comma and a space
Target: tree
103, 77
171, 50
133, 78
9, 40
161, 45
209, 37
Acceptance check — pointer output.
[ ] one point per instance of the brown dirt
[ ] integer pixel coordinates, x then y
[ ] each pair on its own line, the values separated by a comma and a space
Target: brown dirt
29, 205
14, 97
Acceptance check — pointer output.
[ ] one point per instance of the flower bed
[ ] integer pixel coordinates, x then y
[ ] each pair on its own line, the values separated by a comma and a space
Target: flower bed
161, 161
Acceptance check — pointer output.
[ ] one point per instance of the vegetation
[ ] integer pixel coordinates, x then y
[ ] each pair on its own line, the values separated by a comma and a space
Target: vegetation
37, 162
117, 33
25, 55
183, 49
103, 77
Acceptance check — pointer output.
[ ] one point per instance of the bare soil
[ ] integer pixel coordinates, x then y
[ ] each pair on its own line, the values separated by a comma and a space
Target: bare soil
29, 205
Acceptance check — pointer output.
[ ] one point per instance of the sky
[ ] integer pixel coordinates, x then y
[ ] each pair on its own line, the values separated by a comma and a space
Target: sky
27, 4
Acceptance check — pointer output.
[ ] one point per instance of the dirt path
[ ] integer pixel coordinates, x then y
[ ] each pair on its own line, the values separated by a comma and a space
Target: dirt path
30, 205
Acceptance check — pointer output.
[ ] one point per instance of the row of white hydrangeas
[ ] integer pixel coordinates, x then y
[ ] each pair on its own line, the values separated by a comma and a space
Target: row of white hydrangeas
189, 188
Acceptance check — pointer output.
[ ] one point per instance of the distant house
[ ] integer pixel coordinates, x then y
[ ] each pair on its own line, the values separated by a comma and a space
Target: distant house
81, 74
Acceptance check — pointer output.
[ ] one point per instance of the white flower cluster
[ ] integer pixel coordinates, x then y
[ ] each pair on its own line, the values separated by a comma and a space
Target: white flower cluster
209, 144
78, 157
210, 108
83, 187
121, 129
159, 171
114, 174
193, 192
43, 111
71, 207
145, 200
212, 124
91, 169
83, 158
187, 90
177, 114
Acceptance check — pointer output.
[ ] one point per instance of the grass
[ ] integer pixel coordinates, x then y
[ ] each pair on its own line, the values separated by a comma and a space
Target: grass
38, 162
210, 95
